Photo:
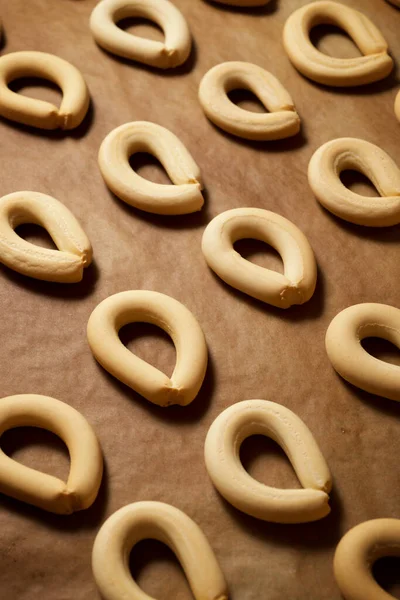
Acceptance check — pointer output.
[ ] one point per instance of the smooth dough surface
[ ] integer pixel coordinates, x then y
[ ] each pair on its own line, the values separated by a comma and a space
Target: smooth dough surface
375, 64
298, 283
40, 489
175, 319
167, 524
356, 553
280, 122
222, 456
64, 265
336, 156
343, 345
171, 53
183, 197
39, 113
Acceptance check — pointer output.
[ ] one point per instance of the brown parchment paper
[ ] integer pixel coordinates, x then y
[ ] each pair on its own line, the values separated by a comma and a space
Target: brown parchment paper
255, 351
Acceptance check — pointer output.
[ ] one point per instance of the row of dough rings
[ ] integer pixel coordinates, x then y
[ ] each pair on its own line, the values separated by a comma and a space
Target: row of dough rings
64, 265
222, 456
171, 53
348, 357
281, 121
373, 66
162, 522
42, 490
356, 553
336, 156
39, 113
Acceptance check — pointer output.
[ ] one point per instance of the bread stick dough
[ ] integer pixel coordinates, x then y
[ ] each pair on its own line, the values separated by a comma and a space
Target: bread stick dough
162, 522
296, 286
222, 455
164, 55
356, 553
375, 64
42, 490
336, 156
64, 265
281, 122
348, 357
174, 318
183, 197
39, 113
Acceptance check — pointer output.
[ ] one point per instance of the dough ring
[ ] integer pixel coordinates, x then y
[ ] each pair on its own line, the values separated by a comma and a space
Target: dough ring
172, 53
222, 455
296, 286
281, 122
356, 553
140, 136
158, 521
334, 157
397, 106
39, 113
174, 318
40, 489
373, 66
348, 357
64, 265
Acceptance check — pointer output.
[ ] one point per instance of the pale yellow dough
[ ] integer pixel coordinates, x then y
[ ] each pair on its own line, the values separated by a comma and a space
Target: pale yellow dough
296, 286
171, 53
183, 197
162, 522
64, 265
222, 455
373, 66
336, 156
42, 490
281, 122
348, 357
397, 106
39, 113
174, 318
356, 553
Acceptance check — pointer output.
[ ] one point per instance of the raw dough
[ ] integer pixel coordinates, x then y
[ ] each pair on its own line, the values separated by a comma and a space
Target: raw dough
342, 154
173, 52
174, 318
222, 455
348, 357
281, 122
140, 136
373, 66
296, 286
356, 553
64, 265
162, 522
42, 490
39, 113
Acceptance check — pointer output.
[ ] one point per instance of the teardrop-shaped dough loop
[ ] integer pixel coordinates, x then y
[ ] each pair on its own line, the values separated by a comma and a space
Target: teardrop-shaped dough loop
281, 122
348, 357
39, 113
336, 156
64, 265
222, 455
183, 197
356, 553
42, 490
162, 522
165, 55
296, 286
397, 106
373, 66
174, 318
